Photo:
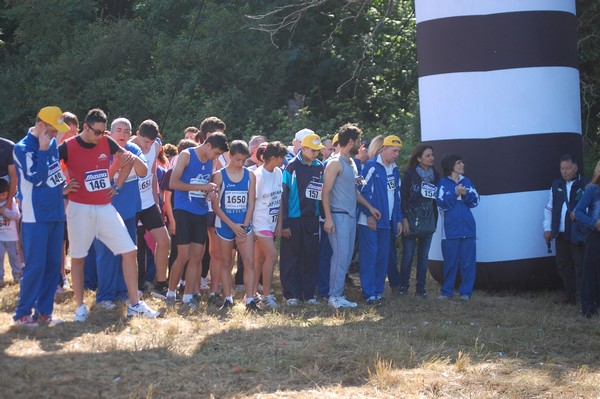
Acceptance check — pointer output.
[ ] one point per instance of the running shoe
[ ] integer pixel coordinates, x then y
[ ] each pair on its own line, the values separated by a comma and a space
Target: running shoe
48, 320
269, 302
141, 310
106, 305
293, 302
215, 300
226, 305
26, 321
251, 307
81, 314
203, 284
337, 302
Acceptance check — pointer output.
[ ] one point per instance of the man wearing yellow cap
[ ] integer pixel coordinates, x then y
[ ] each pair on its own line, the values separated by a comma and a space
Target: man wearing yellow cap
41, 182
300, 203
377, 236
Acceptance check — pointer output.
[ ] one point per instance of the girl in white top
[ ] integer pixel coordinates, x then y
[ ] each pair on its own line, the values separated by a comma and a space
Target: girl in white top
265, 220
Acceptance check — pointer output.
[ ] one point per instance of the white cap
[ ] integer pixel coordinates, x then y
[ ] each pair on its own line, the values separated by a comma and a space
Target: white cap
303, 133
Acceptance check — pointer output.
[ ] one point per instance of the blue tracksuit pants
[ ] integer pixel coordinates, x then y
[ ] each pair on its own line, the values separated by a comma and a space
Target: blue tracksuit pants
458, 251
42, 250
374, 250
109, 268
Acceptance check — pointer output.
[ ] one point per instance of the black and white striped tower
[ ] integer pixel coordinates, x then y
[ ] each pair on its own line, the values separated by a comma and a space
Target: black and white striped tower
499, 84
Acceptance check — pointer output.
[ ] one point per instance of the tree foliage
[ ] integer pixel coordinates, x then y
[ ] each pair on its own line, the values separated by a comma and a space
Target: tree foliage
264, 66
178, 62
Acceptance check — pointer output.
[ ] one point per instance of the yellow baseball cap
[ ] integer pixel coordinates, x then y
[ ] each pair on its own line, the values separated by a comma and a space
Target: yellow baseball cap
312, 141
53, 117
336, 138
392, 141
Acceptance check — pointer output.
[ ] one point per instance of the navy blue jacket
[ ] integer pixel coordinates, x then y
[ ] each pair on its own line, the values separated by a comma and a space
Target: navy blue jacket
573, 231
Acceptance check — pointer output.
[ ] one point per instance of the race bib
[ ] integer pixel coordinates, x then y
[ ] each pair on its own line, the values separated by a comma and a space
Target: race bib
145, 183
314, 190
236, 200
391, 183
97, 180
428, 190
197, 194
56, 177
273, 214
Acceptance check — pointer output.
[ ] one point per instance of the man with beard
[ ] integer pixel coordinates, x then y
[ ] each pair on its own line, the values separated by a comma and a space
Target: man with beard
340, 196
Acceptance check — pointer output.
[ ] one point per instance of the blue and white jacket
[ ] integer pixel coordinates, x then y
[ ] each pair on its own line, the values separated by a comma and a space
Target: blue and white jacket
458, 221
587, 210
41, 181
375, 192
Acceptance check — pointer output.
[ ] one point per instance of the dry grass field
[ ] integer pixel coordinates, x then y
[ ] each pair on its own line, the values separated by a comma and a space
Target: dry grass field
495, 346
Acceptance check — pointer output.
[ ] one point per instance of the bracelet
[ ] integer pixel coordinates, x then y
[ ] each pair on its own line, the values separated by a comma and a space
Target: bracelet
116, 188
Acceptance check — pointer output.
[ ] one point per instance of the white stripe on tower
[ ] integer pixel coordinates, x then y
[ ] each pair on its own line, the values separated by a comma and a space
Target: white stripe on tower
468, 105
436, 9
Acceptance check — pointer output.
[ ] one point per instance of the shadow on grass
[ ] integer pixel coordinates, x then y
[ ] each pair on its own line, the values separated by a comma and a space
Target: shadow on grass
297, 349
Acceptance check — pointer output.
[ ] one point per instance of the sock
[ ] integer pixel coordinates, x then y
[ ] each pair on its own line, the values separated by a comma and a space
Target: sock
171, 294
249, 300
187, 297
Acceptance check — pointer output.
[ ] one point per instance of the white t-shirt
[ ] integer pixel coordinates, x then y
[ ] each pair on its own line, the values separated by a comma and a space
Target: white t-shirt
8, 222
391, 186
268, 198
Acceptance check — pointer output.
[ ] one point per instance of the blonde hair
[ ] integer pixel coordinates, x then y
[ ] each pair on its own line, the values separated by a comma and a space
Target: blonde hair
596, 178
375, 146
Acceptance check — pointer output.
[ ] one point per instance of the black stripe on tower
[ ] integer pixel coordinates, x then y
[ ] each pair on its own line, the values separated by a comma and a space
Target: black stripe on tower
511, 164
518, 274
497, 41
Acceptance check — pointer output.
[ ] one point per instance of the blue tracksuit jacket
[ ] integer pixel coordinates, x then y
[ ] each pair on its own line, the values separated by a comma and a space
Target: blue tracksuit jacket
458, 219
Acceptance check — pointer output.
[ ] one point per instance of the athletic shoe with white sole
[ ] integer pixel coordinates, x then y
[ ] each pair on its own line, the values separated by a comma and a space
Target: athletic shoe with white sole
141, 310
269, 302
203, 284
48, 320
293, 302
106, 305
81, 314
340, 302
312, 301
26, 321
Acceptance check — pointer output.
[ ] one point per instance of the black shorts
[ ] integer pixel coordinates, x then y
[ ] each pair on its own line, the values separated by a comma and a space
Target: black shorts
151, 218
210, 219
189, 227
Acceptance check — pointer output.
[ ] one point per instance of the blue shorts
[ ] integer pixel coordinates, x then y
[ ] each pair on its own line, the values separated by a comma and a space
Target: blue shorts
226, 233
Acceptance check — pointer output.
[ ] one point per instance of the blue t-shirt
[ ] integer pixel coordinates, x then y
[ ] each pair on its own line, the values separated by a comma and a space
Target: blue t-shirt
196, 172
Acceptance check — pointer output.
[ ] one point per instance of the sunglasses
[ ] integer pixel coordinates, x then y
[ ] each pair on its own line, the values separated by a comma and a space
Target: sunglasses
96, 132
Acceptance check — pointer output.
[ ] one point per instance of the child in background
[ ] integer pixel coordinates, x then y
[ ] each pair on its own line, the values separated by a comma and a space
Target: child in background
9, 237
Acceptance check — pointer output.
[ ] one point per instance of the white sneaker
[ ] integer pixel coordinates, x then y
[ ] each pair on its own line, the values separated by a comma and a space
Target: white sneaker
292, 302
142, 310
340, 302
269, 302
240, 288
81, 314
66, 284
203, 284
106, 305
312, 301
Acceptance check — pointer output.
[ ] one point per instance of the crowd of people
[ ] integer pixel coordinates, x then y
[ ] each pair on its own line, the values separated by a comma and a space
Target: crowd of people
141, 217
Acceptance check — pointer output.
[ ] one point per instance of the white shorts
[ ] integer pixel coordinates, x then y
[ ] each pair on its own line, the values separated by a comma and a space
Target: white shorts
86, 222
